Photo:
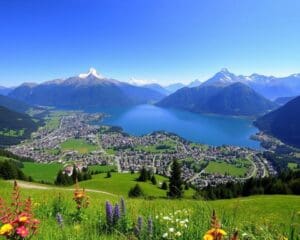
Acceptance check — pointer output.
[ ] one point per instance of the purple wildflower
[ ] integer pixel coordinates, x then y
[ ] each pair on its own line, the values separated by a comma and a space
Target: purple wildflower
116, 215
109, 213
138, 228
140, 223
150, 226
136, 231
59, 219
123, 207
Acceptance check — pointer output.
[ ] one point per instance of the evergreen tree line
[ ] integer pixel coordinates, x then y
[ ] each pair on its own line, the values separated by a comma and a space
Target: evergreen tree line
65, 179
10, 170
175, 186
287, 182
280, 159
146, 175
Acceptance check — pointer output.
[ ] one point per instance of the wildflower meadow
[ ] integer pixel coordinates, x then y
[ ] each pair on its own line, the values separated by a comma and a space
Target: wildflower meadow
79, 214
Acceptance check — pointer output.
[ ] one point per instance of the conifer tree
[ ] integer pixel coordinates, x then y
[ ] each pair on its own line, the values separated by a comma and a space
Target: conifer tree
175, 186
143, 175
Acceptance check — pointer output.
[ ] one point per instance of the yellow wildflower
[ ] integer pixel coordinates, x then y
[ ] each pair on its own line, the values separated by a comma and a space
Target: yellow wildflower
208, 237
6, 230
214, 233
23, 219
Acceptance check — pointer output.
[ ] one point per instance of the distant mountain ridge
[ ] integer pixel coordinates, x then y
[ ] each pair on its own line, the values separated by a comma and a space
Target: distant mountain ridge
284, 100
234, 99
13, 104
92, 89
157, 87
5, 90
195, 83
269, 86
85, 90
283, 123
174, 87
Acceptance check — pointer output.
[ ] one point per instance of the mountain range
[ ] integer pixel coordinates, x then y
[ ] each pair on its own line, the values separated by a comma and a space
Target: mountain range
85, 90
268, 86
283, 123
93, 90
234, 99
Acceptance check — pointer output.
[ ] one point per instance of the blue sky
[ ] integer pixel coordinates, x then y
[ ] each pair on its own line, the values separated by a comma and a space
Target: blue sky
155, 40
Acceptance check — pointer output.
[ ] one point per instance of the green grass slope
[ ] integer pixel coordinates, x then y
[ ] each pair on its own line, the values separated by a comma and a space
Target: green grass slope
258, 217
120, 183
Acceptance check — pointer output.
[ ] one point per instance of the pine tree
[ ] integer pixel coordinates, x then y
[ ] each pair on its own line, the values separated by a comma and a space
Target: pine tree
143, 175
59, 178
164, 186
108, 174
75, 174
175, 186
136, 191
153, 180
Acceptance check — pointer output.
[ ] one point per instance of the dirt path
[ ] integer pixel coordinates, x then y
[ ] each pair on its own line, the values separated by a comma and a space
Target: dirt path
30, 185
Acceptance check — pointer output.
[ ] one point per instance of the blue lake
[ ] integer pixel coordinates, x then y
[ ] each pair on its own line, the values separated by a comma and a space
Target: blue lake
201, 128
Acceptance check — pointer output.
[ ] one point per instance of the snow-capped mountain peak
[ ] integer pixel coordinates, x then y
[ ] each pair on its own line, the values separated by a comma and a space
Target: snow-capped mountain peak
92, 72
224, 70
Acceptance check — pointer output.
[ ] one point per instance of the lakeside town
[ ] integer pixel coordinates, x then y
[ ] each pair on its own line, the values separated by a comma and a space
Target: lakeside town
202, 165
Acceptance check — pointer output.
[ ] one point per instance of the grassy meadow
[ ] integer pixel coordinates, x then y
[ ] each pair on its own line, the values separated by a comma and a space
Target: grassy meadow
256, 217
42, 171
48, 172
225, 168
79, 145
120, 183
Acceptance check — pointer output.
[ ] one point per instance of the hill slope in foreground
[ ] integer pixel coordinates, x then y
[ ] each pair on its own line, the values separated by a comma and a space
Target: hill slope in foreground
258, 217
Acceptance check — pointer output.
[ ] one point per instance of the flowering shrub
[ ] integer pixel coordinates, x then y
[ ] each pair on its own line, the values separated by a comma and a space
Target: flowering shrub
17, 220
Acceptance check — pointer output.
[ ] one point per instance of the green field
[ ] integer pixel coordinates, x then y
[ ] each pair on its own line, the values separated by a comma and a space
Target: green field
79, 145
120, 183
102, 168
164, 146
42, 171
12, 133
257, 217
225, 168
48, 172
53, 120
292, 166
